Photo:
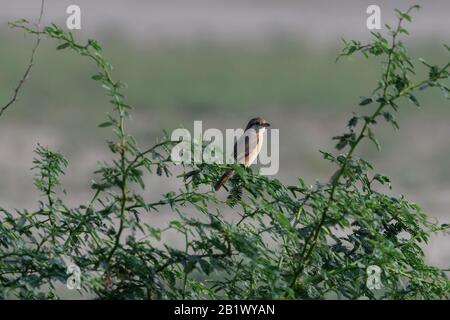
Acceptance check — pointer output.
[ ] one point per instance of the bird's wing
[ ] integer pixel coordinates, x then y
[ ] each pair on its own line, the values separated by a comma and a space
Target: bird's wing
246, 146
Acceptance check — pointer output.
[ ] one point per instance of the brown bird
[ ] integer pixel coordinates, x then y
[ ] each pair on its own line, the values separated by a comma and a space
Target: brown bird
247, 147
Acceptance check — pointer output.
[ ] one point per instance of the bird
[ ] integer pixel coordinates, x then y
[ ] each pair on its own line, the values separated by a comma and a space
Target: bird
247, 147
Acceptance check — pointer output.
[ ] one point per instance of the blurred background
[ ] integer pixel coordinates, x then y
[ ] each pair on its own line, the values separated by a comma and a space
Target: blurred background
223, 62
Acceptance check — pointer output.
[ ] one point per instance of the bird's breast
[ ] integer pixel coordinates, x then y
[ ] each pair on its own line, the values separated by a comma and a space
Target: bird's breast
254, 149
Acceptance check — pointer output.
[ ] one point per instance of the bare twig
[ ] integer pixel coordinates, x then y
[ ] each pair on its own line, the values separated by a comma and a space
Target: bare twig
30, 63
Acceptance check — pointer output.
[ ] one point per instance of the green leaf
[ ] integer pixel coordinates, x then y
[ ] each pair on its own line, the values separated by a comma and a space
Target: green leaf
63, 46
21, 21
366, 101
283, 220
372, 137
403, 15
413, 99
105, 124
403, 30
353, 122
206, 266
98, 77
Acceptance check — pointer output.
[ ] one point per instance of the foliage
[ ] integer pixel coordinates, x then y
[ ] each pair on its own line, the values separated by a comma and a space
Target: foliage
293, 242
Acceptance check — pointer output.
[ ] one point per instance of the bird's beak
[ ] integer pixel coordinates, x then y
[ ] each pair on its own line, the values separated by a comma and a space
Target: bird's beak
266, 124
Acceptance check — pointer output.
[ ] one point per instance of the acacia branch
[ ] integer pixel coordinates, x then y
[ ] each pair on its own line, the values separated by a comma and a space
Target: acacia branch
30, 63
311, 241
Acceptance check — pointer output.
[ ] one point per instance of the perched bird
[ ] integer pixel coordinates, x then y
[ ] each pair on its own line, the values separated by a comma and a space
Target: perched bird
247, 148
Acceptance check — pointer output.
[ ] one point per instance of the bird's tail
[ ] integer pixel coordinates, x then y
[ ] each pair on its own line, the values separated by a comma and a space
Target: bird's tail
223, 179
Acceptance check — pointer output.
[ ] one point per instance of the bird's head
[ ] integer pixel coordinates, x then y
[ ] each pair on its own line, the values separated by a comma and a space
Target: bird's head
257, 123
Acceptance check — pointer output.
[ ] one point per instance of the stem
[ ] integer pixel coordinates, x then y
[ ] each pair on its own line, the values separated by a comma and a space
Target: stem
186, 239
123, 187
50, 205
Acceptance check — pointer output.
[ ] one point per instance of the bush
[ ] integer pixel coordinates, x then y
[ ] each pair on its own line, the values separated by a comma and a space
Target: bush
288, 242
